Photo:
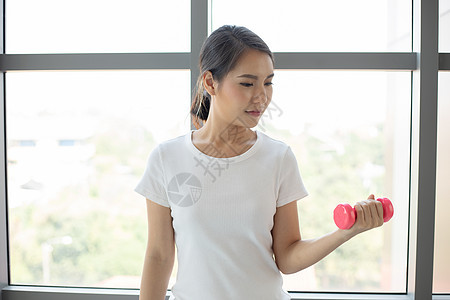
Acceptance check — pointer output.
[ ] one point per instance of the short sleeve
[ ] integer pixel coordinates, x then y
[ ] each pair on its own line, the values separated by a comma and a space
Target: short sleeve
291, 186
151, 185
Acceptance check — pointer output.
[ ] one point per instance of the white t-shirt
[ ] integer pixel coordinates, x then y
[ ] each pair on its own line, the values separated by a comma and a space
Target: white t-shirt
223, 210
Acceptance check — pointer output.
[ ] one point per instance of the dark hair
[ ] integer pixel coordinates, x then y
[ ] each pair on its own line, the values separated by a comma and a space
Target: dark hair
219, 54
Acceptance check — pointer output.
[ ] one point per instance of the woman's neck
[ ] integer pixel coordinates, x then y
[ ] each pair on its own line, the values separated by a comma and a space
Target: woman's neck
225, 138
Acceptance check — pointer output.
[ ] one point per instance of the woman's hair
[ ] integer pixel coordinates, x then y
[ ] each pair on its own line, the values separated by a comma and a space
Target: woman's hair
219, 54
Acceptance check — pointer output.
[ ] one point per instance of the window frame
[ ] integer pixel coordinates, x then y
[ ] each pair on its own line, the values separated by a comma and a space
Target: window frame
424, 62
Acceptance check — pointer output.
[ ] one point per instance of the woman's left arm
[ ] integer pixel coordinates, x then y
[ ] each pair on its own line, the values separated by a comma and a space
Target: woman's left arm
293, 254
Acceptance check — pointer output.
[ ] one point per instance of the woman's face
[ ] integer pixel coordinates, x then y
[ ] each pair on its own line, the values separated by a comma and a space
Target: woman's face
244, 94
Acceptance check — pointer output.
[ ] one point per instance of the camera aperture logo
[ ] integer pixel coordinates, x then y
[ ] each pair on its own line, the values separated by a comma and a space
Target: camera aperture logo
184, 189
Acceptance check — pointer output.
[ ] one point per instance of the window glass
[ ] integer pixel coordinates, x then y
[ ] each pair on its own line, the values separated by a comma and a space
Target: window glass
444, 25
441, 281
97, 26
350, 132
321, 25
77, 144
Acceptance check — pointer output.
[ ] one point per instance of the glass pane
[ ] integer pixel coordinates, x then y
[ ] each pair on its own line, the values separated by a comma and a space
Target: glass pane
97, 26
321, 25
350, 132
441, 281
444, 25
77, 144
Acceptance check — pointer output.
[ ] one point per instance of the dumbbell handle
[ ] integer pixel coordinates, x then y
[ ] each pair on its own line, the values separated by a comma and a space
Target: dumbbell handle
345, 215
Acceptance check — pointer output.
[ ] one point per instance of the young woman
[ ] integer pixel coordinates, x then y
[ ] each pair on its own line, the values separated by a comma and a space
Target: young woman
226, 195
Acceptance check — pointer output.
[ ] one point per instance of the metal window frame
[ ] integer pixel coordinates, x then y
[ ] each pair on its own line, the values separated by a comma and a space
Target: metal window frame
424, 62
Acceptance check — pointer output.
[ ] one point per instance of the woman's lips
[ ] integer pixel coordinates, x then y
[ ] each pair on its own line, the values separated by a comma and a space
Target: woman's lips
254, 113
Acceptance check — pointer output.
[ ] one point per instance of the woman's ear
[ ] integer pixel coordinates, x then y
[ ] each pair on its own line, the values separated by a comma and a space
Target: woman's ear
208, 83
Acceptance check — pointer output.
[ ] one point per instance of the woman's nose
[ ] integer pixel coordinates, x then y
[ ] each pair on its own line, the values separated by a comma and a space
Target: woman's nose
261, 95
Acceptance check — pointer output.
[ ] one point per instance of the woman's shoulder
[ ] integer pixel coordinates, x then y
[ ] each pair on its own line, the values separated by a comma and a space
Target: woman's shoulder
172, 144
273, 142
273, 148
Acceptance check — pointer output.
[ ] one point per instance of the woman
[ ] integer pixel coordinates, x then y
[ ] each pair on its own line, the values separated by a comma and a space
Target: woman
226, 195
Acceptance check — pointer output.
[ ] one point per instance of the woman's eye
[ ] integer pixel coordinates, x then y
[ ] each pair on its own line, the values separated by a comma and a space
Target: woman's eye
268, 83
246, 84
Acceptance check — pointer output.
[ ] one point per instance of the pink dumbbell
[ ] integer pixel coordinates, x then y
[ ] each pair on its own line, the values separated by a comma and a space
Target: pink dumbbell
345, 214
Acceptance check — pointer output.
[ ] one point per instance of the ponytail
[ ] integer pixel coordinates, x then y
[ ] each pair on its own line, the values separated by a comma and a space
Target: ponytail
201, 103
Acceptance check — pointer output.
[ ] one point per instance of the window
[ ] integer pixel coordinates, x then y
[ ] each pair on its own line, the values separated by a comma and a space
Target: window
324, 25
92, 86
100, 26
441, 281
441, 278
69, 196
350, 133
444, 26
